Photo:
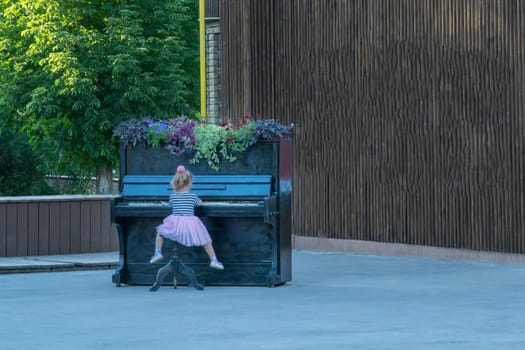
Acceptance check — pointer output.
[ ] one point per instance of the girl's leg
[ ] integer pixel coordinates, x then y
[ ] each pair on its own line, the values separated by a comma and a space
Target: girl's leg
214, 263
210, 251
157, 255
159, 241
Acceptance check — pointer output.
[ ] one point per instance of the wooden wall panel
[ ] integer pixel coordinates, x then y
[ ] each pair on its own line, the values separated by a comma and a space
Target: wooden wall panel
49, 225
410, 126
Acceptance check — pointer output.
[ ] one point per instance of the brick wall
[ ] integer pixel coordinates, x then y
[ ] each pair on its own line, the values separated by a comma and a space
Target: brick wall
213, 71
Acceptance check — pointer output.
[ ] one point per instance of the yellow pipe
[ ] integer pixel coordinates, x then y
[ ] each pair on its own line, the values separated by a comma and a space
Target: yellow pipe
202, 40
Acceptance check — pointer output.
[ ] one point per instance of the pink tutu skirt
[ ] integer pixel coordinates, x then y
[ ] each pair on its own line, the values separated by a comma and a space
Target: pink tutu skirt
185, 229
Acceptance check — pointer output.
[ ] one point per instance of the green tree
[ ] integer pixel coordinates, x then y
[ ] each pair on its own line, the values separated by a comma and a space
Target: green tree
19, 173
71, 70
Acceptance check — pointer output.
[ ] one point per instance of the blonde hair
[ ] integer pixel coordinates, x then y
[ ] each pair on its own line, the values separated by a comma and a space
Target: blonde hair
182, 178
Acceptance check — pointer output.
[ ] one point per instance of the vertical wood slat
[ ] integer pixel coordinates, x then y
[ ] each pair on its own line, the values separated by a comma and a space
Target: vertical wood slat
54, 228
520, 77
105, 228
22, 229
3, 229
64, 228
96, 240
32, 231
11, 225
43, 228
75, 227
432, 99
85, 227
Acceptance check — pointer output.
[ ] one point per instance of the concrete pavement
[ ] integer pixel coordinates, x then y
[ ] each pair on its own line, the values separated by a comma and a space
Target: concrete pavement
335, 301
55, 263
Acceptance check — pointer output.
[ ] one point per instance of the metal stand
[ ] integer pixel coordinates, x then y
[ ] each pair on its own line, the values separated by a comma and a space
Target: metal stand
175, 265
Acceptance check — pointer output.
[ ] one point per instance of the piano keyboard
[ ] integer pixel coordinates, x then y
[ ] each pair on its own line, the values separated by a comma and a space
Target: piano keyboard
147, 204
231, 204
204, 204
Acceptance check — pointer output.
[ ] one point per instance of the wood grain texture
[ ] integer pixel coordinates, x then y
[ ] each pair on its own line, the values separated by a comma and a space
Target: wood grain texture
410, 125
50, 225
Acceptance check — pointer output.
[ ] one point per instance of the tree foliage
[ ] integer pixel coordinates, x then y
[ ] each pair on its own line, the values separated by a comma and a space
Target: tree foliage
71, 70
18, 173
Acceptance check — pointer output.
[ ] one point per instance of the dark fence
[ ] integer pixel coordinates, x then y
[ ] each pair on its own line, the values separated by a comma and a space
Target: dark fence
411, 113
211, 8
49, 225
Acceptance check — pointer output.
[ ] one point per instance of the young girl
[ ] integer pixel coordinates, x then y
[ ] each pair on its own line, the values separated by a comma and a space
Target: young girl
182, 225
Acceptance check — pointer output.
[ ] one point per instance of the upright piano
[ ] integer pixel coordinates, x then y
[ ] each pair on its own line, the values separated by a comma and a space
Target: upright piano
246, 209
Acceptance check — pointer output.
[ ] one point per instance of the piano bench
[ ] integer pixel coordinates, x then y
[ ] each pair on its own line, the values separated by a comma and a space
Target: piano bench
175, 265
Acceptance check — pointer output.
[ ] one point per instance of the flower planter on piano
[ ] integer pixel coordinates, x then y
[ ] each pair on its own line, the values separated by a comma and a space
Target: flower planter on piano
248, 220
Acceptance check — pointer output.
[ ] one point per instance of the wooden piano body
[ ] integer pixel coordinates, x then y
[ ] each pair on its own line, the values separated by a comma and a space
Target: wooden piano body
246, 208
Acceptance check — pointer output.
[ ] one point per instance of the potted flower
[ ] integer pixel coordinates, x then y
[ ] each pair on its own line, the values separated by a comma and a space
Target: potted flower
197, 143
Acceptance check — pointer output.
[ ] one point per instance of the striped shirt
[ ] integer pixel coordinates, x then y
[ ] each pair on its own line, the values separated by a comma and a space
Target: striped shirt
183, 203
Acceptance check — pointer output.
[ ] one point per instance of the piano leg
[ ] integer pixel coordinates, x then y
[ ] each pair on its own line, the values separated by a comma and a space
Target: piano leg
116, 278
175, 265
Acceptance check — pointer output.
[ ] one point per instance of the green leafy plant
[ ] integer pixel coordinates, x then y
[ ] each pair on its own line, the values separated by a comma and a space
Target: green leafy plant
216, 143
209, 142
